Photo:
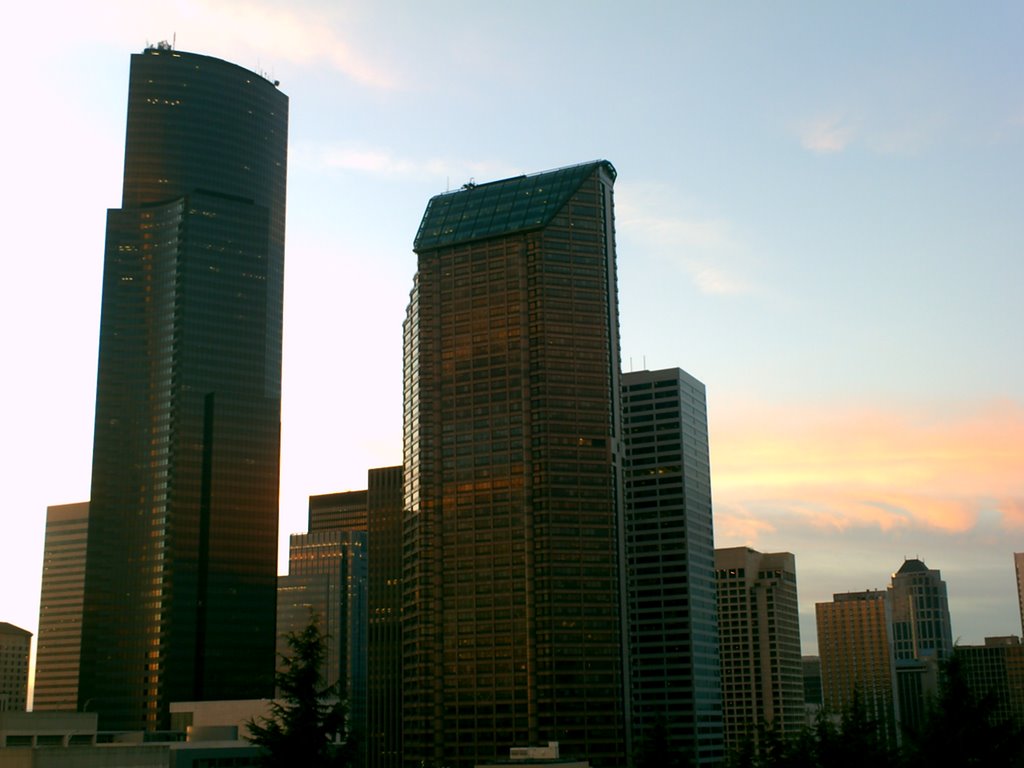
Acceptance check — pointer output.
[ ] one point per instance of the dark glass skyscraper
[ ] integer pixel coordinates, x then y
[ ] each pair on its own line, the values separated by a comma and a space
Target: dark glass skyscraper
182, 548
512, 596
670, 564
327, 578
384, 633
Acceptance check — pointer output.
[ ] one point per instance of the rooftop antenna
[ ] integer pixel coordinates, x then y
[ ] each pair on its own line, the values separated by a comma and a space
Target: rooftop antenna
174, 41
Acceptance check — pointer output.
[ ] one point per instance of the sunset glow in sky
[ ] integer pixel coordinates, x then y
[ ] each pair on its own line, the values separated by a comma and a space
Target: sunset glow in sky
818, 215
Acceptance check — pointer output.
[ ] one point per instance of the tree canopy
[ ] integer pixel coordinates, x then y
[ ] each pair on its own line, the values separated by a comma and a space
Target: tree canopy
306, 725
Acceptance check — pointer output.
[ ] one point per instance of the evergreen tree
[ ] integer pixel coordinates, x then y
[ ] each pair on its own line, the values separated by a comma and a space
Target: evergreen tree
961, 728
307, 720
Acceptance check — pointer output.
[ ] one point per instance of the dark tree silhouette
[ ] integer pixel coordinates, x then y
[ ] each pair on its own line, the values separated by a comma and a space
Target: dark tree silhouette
860, 739
961, 728
307, 720
656, 750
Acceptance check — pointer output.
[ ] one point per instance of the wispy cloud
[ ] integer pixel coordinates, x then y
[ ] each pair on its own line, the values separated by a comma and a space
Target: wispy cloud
379, 161
877, 131
665, 226
254, 33
301, 36
826, 134
887, 469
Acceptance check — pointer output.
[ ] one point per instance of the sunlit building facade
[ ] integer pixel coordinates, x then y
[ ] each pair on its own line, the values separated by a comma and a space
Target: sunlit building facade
855, 643
181, 570
327, 579
512, 631
60, 608
759, 642
345, 511
670, 563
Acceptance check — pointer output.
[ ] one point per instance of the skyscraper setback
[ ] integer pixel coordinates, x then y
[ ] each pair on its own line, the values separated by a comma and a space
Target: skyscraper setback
179, 600
513, 509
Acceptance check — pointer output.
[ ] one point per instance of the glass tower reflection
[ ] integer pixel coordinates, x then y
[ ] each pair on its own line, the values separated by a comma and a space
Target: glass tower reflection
513, 513
180, 583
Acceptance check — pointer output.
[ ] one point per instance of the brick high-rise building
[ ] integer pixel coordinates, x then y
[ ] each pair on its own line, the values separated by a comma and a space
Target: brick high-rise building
855, 644
759, 638
512, 627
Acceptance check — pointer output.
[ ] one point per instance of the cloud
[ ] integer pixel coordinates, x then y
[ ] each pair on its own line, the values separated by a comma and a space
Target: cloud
283, 33
377, 162
383, 162
843, 468
883, 132
662, 224
741, 525
827, 134
253, 33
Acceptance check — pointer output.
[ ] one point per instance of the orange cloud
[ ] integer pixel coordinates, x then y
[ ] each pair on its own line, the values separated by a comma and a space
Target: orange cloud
850, 466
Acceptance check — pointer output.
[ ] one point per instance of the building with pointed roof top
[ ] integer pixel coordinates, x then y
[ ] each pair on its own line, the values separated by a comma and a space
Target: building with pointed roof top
920, 612
512, 628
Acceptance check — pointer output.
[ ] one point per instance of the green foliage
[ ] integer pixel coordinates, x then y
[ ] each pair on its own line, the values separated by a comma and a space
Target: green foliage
307, 720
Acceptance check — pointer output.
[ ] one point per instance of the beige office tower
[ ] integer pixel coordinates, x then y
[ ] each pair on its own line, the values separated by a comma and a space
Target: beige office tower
60, 608
855, 644
759, 642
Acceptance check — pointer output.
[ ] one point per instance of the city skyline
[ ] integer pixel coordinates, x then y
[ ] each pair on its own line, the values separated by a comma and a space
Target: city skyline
814, 218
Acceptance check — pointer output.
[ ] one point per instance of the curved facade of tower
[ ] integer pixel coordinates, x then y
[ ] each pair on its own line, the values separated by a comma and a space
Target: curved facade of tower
180, 582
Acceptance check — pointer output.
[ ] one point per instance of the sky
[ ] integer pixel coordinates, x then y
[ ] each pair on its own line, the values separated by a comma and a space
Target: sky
818, 214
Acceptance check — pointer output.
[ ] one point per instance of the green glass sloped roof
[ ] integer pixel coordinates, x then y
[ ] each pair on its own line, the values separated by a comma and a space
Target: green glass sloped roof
501, 207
